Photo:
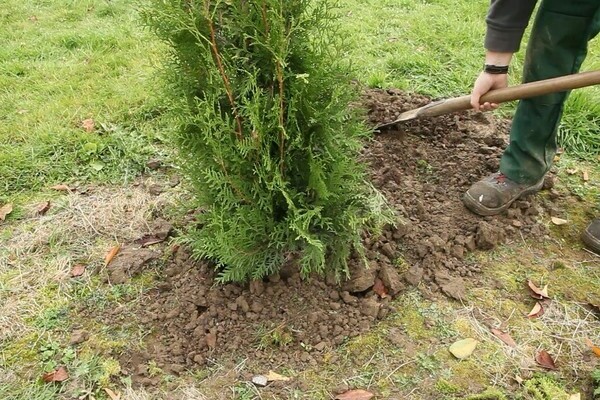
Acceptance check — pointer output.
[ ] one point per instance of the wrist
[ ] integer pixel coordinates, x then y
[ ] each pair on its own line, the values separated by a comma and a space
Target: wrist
498, 59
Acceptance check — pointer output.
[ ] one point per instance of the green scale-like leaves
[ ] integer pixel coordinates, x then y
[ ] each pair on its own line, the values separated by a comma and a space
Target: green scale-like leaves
261, 100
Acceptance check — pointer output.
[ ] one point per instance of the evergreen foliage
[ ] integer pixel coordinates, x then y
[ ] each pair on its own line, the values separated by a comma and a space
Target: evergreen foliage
261, 102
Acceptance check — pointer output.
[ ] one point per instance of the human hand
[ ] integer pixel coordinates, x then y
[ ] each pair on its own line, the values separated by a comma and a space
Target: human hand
484, 83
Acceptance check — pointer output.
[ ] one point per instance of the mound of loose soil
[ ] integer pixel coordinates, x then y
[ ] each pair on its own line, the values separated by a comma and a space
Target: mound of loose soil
423, 167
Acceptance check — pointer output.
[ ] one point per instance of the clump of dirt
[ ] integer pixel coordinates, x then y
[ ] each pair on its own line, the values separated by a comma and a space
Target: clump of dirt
422, 167
283, 320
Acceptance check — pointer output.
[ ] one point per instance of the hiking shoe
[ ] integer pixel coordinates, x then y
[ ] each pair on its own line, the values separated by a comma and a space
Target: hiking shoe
591, 236
494, 194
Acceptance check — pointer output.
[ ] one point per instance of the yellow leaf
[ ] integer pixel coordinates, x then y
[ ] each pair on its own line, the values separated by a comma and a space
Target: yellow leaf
274, 376
559, 221
463, 348
112, 395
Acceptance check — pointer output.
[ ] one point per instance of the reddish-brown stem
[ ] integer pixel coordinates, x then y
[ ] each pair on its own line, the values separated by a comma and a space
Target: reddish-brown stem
217, 56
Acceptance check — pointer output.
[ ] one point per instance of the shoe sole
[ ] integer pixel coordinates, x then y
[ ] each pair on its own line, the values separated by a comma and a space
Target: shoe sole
475, 206
591, 242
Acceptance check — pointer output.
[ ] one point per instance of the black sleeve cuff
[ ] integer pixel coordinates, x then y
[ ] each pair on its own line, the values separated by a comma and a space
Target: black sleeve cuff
503, 40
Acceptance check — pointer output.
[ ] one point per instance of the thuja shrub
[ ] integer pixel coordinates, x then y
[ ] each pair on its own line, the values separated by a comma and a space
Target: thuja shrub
265, 132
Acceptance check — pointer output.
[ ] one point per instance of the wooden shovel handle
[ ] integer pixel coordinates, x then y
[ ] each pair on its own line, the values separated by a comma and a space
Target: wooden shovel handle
524, 91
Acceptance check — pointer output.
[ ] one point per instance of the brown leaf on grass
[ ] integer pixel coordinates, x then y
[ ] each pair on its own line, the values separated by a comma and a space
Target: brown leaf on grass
537, 311
595, 349
356, 394
559, 221
43, 207
61, 188
112, 395
88, 125
545, 360
111, 254
541, 293
275, 377
572, 171
77, 270
5, 210
148, 240
380, 289
58, 375
586, 176
505, 337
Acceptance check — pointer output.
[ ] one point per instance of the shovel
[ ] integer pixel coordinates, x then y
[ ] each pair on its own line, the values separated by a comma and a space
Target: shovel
524, 91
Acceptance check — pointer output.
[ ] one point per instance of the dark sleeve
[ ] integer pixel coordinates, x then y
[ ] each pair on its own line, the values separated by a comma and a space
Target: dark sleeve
506, 22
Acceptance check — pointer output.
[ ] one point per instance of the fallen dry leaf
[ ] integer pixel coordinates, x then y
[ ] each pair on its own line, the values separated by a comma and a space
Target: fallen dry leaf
42, 208
112, 395
541, 293
77, 270
559, 221
5, 210
505, 337
380, 289
537, 311
572, 171
463, 348
111, 254
274, 376
356, 394
595, 349
61, 188
88, 125
545, 360
58, 375
576, 396
586, 176
148, 240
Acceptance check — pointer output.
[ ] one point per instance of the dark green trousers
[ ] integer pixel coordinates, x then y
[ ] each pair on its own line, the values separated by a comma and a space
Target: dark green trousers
557, 46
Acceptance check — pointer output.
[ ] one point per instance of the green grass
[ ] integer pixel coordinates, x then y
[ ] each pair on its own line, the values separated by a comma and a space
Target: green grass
62, 63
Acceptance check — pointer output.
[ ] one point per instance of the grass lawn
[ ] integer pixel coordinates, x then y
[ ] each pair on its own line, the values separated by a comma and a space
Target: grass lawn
80, 104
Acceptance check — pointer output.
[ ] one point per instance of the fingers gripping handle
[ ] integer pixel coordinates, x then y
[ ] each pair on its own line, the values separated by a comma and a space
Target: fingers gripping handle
518, 92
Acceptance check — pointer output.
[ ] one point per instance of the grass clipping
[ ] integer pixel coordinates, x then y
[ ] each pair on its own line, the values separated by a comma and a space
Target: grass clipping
261, 102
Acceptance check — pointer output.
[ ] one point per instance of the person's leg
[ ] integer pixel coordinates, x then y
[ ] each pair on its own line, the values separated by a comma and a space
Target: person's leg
558, 46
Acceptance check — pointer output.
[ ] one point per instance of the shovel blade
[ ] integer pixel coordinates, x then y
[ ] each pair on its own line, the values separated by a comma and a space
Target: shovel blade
405, 116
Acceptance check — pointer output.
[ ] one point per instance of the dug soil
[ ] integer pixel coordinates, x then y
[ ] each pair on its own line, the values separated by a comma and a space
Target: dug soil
422, 167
